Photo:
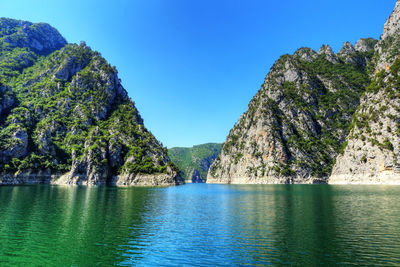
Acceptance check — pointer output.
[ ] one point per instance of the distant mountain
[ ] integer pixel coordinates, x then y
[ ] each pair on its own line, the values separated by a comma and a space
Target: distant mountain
195, 161
322, 117
65, 117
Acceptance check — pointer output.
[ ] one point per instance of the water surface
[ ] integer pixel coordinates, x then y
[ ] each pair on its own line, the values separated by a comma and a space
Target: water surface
200, 224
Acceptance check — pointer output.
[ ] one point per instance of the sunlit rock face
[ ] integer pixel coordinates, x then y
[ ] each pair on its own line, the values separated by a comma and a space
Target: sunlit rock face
65, 117
322, 118
372, 153
296, 124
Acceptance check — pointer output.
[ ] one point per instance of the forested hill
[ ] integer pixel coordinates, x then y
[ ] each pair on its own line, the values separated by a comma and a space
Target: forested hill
195, 161
65, 117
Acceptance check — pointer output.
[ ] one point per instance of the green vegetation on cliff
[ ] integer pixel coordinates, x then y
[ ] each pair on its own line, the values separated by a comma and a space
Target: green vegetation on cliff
66, 111
296, 124
195, 161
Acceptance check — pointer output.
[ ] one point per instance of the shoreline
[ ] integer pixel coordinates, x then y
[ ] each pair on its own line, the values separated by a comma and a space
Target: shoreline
137, 180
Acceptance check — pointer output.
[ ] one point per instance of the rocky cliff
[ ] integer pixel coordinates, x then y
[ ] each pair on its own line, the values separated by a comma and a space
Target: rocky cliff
195, 161
322, 117
372, 153
65, 117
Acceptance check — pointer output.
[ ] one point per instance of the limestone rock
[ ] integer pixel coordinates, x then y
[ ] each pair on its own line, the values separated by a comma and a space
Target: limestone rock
372, 152
76, 123
290, 133
348, 54
365, 45
306, 54
326, 50
392, 24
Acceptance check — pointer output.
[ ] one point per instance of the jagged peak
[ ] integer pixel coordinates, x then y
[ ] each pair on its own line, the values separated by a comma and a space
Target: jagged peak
305, 53
327, 51
387, 46
347, 49
392, 23
365, 44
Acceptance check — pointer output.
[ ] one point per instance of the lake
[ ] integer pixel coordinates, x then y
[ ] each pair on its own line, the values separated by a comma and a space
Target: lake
200, 224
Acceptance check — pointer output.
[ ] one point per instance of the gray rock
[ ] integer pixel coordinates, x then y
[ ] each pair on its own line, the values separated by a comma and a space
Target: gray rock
83, 127
365, 45
18, 146
392, 24
372, 154
387, 47
347, 53
347, 49
261, 147
306, 54
326, 50
69, 68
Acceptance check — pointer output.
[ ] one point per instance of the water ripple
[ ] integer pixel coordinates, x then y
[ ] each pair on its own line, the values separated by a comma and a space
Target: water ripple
200, 225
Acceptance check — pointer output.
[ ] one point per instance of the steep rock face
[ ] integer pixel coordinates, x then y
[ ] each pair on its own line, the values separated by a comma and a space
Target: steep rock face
195, 161
68, 120
296, 124
392, 24
195, 177
388, 46
372, 154
339, 123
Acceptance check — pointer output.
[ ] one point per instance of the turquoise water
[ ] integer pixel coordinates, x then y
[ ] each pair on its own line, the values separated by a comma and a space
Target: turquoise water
200, 224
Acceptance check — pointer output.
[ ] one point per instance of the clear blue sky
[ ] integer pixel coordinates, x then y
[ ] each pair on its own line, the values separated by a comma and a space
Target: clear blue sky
192, 66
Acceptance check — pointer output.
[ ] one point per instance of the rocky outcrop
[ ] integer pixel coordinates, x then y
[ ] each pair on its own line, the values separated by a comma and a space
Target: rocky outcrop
392, 24
28, 177
327, 51
296, 124
129, 179
372, 154
387, 48
365, 44
332, 118
68, 120
347, 52
195, 177
70, 67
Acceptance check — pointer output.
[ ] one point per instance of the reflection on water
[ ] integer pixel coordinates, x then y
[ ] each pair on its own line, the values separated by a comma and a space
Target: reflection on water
67, 225
200, 224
